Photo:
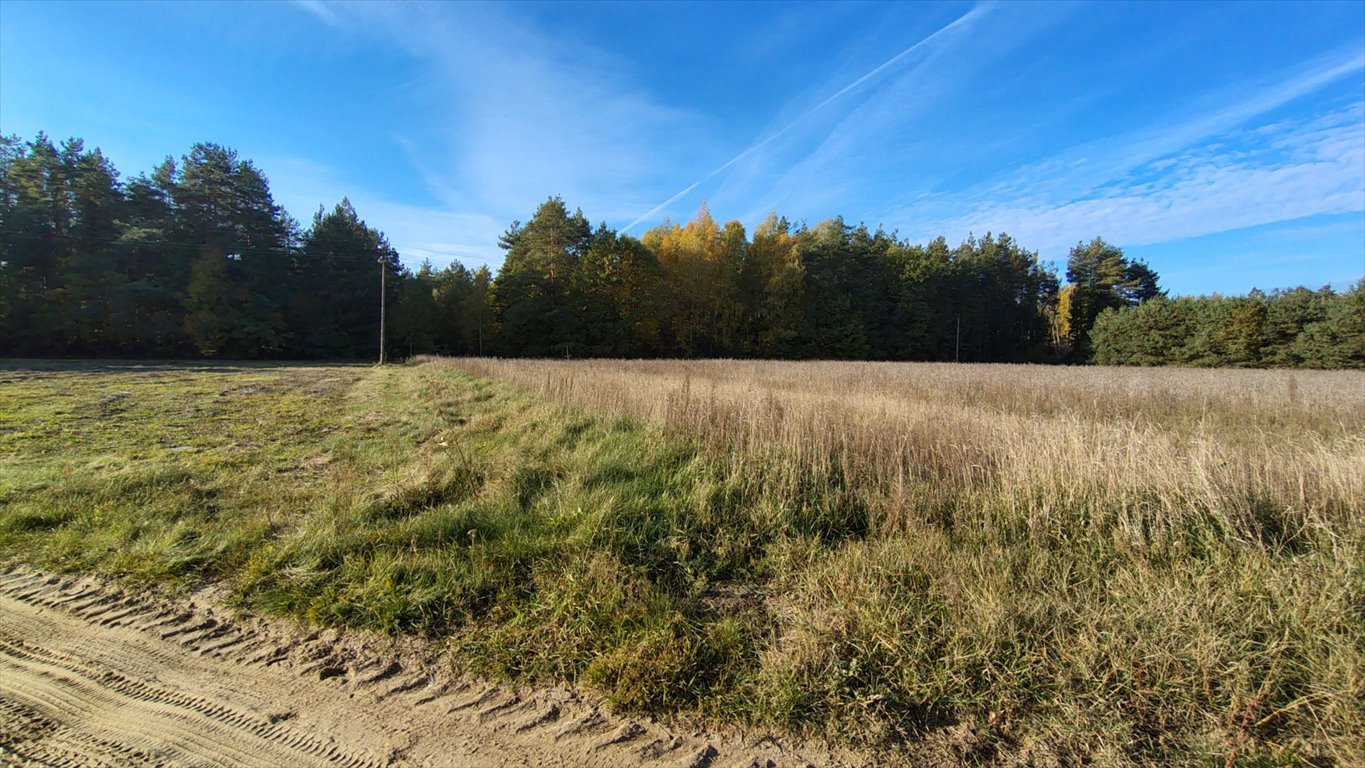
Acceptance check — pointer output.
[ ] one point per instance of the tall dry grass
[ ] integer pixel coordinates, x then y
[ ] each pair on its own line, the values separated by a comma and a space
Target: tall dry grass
1155, 455
1058, 564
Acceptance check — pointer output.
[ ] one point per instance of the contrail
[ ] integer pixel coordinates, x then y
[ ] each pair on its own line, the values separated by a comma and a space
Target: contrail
966, 18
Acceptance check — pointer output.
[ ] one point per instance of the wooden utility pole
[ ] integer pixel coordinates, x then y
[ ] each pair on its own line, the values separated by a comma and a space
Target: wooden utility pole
382, 266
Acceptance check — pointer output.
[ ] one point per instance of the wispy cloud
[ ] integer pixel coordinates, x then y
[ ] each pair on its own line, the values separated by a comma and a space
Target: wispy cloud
319, 9
886, 131
524, 114
512, 114
1097, 162
418, 233
1210, 192
962, 22
1217, 170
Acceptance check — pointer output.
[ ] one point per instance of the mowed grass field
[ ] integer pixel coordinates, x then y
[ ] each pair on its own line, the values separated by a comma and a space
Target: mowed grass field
980, 564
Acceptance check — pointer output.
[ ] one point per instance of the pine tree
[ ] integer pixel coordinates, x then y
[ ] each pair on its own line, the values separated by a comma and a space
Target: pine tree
536, 297
1103, 278
340, 262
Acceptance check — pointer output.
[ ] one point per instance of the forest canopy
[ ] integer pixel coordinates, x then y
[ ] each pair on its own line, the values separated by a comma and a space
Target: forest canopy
196, 259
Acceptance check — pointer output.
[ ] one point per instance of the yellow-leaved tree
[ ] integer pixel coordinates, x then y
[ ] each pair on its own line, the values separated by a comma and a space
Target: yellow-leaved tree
702, 262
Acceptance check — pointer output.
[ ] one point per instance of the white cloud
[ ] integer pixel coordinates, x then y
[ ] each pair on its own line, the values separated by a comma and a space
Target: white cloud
860, 145
1204, 194
418, 233
1094, 163
511, 115
940, 36
1215, 171
320, 9
522, 114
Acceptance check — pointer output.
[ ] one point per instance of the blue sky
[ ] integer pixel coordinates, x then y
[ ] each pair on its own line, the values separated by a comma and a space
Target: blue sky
1224, 143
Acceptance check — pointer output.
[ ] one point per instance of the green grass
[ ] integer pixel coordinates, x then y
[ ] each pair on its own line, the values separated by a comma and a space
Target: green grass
672, 574
544, 544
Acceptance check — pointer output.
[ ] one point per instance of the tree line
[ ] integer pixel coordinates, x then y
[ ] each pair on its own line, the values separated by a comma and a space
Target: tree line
1296, 328
830, 290
196, 259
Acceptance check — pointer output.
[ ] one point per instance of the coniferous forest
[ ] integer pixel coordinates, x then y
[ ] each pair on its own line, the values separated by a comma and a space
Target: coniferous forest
195, 259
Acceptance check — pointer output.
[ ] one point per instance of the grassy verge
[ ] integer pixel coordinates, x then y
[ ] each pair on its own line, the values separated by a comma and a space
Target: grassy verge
674, 572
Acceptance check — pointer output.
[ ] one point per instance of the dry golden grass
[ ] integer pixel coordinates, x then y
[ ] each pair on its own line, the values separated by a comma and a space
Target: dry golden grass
1255, 453
1056, 564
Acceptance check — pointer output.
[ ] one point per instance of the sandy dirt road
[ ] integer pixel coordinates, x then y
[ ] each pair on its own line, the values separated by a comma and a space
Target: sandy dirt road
93, 675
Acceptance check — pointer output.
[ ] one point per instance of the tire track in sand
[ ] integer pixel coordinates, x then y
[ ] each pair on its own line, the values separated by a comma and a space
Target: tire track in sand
59, 702
93, 675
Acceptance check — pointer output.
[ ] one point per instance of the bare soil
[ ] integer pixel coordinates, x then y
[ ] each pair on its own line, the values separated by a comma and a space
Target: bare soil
94, 675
